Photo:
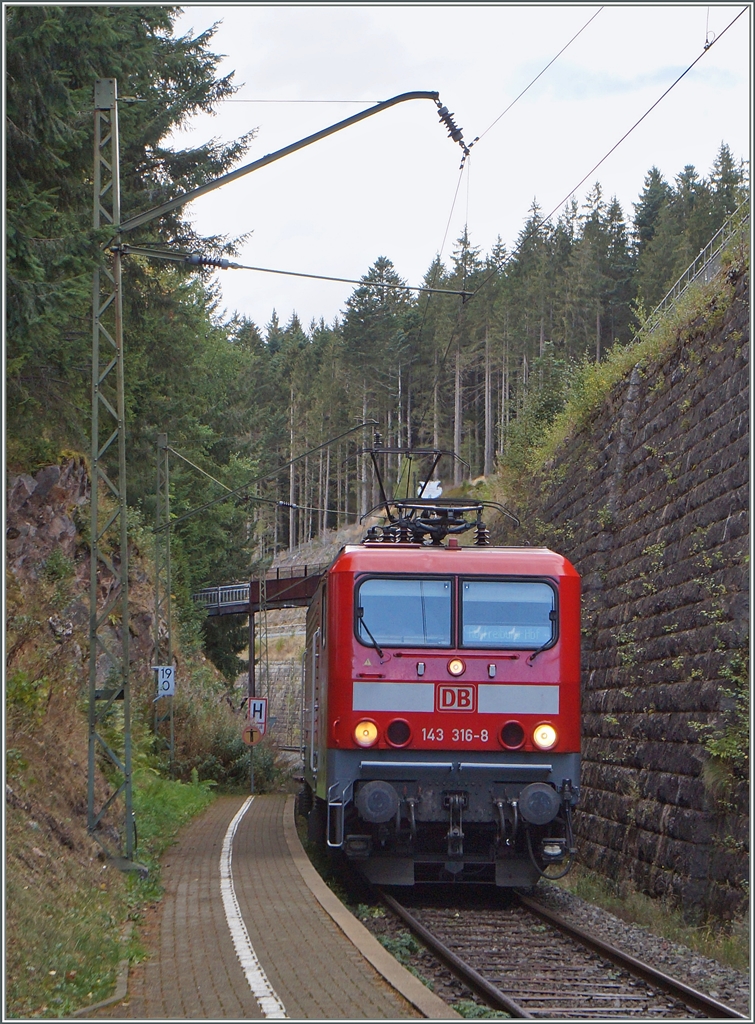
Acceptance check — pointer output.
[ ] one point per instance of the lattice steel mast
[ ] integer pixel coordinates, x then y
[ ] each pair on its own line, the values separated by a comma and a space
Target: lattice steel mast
108, 653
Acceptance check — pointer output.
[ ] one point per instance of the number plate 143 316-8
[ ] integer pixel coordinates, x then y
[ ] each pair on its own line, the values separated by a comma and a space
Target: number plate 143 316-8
452, 735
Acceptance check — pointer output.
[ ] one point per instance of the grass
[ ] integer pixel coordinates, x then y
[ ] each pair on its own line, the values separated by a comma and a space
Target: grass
729, 945
63, 923
531, 444
162, 806
470, 1009
66, 911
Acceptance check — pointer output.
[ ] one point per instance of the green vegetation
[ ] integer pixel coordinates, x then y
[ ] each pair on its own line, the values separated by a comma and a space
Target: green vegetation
162, 806
534, 440
508, 375
544, 337
63, 942
729, 946
469, 1008
404, 947
729, 745
65, 934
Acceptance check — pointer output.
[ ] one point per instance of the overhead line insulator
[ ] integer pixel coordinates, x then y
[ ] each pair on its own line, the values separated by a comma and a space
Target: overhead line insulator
194, 260
454, 132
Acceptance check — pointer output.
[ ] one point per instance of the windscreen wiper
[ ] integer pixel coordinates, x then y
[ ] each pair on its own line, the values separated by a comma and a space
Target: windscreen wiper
365, 627
548, 642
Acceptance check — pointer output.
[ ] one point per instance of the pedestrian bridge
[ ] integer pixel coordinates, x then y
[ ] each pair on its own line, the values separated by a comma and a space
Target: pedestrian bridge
288, 586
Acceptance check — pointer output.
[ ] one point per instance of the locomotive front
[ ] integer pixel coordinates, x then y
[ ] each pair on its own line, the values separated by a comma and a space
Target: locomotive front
441, 719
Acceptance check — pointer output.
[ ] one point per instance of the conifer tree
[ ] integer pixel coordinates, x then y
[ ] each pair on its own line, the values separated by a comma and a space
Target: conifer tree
654, 196
53, 56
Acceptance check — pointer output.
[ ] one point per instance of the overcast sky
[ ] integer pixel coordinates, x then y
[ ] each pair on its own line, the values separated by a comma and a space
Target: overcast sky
386, 186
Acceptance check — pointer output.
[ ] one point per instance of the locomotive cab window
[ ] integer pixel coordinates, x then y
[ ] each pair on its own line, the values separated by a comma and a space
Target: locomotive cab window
404, 612
507, 613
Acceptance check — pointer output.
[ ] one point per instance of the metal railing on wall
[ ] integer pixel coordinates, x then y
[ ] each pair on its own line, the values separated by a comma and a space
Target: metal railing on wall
704, 267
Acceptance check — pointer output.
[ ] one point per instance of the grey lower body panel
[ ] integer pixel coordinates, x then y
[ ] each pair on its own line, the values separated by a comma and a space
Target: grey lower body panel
457, 818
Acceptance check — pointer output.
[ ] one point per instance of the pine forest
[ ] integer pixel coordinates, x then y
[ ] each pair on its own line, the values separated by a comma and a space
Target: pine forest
242, 400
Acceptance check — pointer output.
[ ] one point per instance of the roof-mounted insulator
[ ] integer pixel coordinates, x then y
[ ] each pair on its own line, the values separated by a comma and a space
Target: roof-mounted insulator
194, 260
482, 534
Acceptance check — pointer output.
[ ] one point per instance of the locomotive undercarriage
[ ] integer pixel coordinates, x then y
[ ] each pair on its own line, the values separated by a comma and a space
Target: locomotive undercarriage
453, 820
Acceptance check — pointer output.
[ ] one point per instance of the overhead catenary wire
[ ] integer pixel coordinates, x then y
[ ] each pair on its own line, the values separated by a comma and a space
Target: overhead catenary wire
509, 256
544, 219
267, 476
255, 498
467, 160
482, 134
528, 87
348, 280
196, 260
454, 132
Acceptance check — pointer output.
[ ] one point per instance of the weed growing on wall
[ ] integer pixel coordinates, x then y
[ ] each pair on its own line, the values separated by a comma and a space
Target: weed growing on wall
729, 745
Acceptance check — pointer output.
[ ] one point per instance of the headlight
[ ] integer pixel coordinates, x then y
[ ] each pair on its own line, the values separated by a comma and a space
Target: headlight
544, 737
366, 734
456, 666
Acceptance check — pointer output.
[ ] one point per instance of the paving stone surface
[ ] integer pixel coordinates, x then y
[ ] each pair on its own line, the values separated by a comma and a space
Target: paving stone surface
193, 971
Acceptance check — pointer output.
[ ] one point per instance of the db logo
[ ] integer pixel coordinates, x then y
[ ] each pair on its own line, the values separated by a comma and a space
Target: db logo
455, 698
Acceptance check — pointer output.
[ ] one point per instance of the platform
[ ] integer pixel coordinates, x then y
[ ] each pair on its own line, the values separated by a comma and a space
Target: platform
248, 929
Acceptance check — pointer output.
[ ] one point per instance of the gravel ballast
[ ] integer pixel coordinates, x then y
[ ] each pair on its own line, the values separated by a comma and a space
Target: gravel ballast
723, 983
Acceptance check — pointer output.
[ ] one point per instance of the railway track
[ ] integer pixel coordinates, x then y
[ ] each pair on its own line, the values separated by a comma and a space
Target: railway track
521, 958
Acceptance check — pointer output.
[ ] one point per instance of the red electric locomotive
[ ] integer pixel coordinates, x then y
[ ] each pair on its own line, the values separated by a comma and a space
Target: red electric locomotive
442, 702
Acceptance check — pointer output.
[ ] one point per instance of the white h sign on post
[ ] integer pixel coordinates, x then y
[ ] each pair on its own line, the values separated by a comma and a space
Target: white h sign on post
258, 714
166, 680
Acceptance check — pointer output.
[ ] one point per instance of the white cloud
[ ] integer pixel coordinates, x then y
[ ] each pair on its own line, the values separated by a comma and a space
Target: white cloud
385, 186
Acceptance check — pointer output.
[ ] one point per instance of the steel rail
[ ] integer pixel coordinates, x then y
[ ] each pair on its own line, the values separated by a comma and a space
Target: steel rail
679, 990
475, 981
494, 997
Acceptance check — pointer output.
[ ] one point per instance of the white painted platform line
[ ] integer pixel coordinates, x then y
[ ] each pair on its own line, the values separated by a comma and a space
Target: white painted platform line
262, 990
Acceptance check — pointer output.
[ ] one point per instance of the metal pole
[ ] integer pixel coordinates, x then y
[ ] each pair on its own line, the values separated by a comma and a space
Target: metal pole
187, 197
251, 691
108, 501
163, 649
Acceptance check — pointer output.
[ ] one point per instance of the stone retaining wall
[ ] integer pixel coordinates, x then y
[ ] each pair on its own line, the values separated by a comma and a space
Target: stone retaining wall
650, 502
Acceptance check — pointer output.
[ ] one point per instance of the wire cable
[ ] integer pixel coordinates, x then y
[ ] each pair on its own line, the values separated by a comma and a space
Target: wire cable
526, 88
211, 262
467, 159
350, 280
483, 134
602, 160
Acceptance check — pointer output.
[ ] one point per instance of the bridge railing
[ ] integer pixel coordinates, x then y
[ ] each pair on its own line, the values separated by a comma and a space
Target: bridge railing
213, 597
705, 265
238, 593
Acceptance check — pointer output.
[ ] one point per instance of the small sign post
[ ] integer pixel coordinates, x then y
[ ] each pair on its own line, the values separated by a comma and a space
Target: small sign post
166, 680
166, 687
254, 729
258, 713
